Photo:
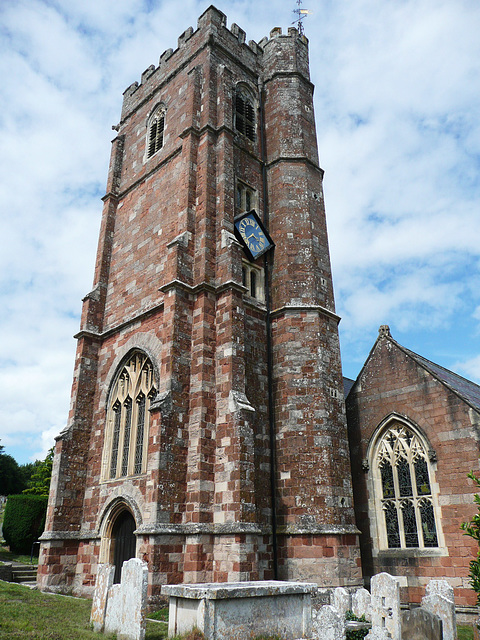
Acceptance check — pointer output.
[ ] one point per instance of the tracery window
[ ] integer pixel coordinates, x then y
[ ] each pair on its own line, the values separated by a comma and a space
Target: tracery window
244, 114
246, 198
127, 418
155, 130
404, 488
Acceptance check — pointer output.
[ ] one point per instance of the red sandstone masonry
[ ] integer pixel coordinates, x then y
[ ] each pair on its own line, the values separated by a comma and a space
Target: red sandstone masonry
445, 420
168, 281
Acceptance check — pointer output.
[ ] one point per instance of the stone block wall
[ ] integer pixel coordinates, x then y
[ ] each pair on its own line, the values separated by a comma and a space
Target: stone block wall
168, 282
393, 383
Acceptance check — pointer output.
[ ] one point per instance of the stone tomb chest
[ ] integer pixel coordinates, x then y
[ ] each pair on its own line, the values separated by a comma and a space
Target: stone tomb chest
239, 610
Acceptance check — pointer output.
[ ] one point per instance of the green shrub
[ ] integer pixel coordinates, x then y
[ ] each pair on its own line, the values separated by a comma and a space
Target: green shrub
24, 521
357, 634
472, 529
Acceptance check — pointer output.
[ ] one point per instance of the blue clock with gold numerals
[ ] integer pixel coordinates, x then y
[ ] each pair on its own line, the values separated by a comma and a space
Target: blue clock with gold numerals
252, 234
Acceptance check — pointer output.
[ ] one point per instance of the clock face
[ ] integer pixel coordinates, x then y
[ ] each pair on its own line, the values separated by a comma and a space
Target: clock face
253, 235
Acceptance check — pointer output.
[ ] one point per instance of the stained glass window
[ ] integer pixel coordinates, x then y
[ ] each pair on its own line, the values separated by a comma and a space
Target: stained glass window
127, 418
404, 489
391, 524
404, 480
140, 427
421, 477
409, 524
387, 479
428, 523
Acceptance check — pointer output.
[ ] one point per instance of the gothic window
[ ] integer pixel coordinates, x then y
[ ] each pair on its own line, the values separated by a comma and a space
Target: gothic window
246, 198
244, 114
155, 129
127, 418
253, 279
405, 501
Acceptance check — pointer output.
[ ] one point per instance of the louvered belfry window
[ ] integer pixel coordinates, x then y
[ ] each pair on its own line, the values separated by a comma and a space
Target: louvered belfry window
244, 114
127, 418
155, 131
406, 498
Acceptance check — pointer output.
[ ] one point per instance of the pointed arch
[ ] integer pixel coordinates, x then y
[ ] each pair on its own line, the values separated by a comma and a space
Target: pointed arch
405, 497
126, 437
244, 112
155, 130
118, 539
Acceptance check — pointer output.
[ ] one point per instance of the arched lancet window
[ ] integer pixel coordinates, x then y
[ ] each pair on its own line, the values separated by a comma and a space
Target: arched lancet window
155, 130
244, 113
127, 418
403, 489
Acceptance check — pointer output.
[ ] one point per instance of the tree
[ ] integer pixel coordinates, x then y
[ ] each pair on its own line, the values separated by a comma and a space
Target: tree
472, 529
11, 479
39, 483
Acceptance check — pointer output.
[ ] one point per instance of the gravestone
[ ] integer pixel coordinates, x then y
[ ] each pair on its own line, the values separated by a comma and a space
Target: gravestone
328, 624
376, 633
386, 604
439, 600
127, 602
419, 624
361, 604
342, 601
121, 608
103, 583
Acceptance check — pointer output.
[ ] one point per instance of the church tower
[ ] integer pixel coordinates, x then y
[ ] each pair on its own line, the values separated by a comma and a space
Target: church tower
207, 431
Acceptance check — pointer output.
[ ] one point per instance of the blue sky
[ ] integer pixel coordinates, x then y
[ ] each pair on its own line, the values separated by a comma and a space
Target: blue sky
398, 123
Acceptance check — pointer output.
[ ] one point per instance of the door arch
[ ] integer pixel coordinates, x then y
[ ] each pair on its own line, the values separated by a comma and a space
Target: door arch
123, 542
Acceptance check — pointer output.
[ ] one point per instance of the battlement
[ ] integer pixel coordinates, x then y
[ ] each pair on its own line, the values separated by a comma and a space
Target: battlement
212, 23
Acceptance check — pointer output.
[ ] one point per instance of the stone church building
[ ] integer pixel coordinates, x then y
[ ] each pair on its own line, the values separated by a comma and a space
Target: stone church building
207, 432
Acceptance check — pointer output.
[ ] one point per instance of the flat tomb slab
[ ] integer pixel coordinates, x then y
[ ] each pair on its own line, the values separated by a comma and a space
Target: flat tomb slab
236, 610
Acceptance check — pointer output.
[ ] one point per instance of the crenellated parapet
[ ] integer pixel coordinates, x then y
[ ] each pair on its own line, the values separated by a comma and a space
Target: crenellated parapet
212, 29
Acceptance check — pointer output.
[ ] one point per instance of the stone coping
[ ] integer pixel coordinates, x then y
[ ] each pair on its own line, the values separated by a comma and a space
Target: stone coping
225, 590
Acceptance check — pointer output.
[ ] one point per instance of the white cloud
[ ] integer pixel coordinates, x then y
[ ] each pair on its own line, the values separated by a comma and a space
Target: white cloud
398, 120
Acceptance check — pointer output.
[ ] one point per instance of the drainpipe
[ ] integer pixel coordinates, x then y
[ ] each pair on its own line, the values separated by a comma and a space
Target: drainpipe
271, 408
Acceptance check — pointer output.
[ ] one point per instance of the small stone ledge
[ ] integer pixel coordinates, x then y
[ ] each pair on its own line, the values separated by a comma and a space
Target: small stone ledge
226, 528
299, 308
319, 529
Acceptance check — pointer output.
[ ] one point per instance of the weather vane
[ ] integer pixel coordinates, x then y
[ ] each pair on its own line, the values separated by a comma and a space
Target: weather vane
301, 14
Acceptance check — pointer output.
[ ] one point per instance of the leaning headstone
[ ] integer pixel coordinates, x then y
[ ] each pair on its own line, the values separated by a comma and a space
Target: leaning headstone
342, 601
440, 587
419, 624
103, 583
127, 602
361, 604
386, 604
445, 610
328, 624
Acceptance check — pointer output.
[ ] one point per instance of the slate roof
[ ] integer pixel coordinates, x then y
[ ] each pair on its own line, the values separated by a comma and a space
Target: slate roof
347, 385
466, 389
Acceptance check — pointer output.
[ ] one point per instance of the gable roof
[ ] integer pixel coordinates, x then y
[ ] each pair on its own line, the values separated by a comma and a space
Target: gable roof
467, 390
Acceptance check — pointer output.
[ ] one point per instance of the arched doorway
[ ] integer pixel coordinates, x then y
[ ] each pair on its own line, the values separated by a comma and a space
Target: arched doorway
123, 541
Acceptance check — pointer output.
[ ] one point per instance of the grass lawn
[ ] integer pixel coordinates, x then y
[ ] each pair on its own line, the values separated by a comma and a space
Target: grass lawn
30, 615
464, 632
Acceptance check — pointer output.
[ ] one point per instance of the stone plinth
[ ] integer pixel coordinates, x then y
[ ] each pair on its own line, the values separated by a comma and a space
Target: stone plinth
238, 610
